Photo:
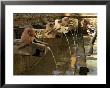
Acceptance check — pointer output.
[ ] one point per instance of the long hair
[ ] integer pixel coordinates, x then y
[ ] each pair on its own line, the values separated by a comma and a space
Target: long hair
27, 35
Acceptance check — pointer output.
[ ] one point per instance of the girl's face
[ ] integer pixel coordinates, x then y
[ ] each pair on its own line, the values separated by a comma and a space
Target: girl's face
31, 32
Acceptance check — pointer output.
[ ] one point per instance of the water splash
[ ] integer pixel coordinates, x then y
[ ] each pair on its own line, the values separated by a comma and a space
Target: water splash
68, 44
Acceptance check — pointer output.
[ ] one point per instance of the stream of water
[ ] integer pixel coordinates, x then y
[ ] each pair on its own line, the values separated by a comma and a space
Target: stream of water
68, 44
53, 56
